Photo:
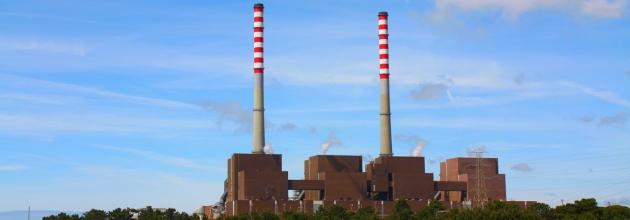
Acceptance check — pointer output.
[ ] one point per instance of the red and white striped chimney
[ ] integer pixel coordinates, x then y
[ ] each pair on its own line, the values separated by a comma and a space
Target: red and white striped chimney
383, 55
258, 137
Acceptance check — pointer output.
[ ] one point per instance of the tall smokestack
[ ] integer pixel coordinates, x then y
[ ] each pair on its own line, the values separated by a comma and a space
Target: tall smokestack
258, 137
383, 52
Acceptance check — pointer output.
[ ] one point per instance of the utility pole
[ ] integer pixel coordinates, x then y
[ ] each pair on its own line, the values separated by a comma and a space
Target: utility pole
29, 212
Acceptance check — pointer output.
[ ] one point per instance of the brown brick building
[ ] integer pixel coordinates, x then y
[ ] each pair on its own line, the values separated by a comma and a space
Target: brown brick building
481, 175
256, 183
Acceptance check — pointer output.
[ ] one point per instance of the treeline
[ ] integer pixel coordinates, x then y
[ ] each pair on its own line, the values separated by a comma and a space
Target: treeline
586, 209
147, 213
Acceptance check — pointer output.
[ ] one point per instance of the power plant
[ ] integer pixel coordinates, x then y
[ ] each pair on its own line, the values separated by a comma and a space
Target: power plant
256, 182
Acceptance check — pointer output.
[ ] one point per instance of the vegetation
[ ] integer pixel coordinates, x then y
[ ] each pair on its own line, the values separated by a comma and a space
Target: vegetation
585, 209
147, 213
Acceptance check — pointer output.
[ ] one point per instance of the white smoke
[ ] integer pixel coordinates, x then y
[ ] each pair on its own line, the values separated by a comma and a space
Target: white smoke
418, 143
268, 149
331, 141
417, 150
367, 158
428, 91
230, 111
238, 115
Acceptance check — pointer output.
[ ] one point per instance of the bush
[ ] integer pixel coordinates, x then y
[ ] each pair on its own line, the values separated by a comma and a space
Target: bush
616, 212
494, 210
296, 216
367, 213
430, 212
335, 212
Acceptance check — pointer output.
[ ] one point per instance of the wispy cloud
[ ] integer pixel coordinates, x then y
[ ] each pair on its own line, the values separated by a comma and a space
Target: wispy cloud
90, 119
95, 122
606, 96
430, 91
36, 98
519, 79
604, 8
586, 119
151, 155
502, 124
287, 127
523, 167
84, 90
12, 168
230, 111
513, 9
43, 46
312, 130
617, 120
411, 67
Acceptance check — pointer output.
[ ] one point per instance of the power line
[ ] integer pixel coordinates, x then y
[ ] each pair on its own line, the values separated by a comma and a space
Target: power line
480, 196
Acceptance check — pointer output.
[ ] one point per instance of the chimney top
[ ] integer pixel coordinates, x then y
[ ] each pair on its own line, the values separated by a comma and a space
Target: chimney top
383, 13
258, 5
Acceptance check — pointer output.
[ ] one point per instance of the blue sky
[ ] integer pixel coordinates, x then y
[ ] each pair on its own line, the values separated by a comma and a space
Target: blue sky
126, 104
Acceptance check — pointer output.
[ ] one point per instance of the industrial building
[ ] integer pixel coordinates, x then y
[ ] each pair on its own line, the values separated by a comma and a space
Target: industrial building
257, 183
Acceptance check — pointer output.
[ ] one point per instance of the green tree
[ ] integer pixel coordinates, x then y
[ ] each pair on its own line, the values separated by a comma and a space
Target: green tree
120, 214
239, 217
335, 212
581, 209
149, 213
431, 211
269, 216
94, 214
616, 212
62, 216
543, 210
295, 216
402, 211
366, 213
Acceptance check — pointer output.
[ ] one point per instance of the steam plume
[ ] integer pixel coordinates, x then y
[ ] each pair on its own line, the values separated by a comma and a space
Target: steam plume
267, 148
331, 141
230, 111
419, 143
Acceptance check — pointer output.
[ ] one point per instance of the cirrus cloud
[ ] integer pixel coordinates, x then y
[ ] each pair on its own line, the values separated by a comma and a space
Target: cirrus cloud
513, 9
12, 168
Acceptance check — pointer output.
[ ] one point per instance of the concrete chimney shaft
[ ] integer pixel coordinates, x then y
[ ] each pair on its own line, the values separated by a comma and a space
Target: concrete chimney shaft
258, 137
383, 52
